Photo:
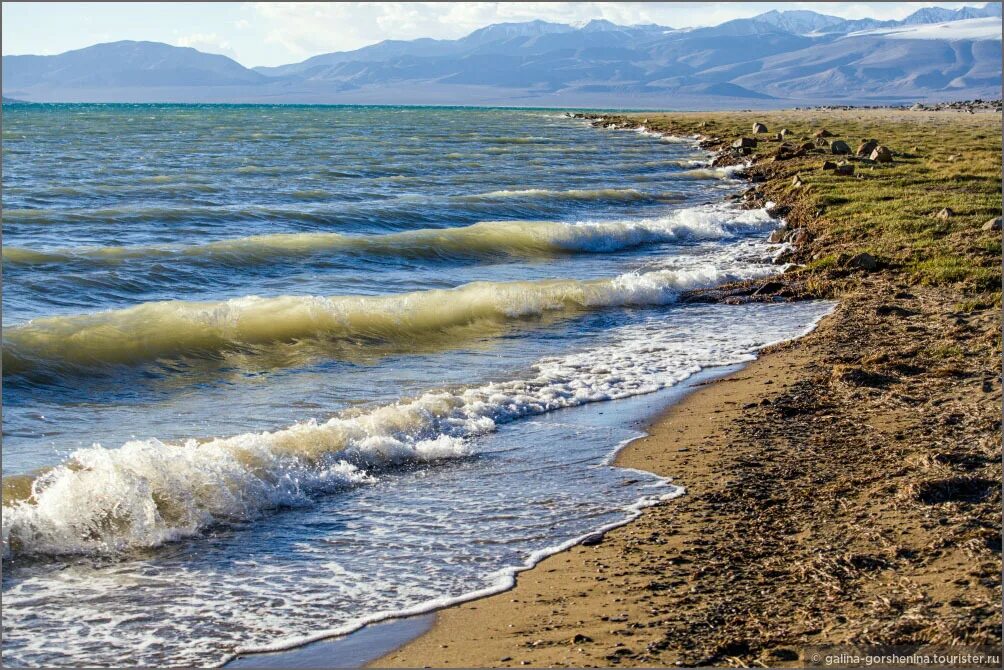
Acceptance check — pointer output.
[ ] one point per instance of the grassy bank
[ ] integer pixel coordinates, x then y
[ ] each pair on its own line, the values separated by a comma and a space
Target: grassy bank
940, 161
843, 491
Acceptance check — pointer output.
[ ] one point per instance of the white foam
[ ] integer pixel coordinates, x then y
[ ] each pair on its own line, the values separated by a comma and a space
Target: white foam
148, 492
638, 359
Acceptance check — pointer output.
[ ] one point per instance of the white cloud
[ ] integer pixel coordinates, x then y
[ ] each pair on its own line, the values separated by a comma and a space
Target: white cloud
207, 42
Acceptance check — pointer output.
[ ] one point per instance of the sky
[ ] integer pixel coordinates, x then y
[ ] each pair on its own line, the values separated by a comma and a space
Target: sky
275, 33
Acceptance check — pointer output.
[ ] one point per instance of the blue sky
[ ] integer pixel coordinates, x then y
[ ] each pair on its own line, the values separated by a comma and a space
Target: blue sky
266, 33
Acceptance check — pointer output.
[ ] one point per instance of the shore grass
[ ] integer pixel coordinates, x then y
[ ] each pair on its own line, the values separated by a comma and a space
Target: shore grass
890, 210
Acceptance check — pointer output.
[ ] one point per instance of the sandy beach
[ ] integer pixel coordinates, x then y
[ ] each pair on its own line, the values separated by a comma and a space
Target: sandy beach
843, 491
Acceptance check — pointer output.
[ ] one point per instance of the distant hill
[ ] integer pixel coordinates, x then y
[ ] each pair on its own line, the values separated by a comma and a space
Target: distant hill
774, 59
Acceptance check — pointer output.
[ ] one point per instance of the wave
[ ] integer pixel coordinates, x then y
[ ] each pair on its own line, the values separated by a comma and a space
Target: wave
148, 492
490, 238
170, 329
622, 194
725, 172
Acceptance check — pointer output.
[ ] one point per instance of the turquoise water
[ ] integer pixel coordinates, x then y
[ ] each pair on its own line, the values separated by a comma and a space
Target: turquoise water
270, 371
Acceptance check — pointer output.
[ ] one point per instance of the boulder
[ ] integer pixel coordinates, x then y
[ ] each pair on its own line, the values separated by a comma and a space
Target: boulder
822, 132
829, 165
945, 214
777, 236
822, 142
866, 148
840, 147
845, 170
800, 237
865, 262
744, 143
806, 146
993, 224
784, 132
796, 181
759, 128
777, 211
881, 154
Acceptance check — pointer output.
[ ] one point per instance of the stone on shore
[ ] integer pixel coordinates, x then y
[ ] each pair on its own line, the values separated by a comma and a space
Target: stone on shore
822, 132
759, 128
945, 214
845, 170
864, 261
881, 154
829, 165
993, 224
840, 147
866, 148
744, 143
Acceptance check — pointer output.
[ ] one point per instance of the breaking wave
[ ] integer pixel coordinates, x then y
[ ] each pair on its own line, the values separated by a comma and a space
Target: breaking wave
158, 330
148, 492
490, 238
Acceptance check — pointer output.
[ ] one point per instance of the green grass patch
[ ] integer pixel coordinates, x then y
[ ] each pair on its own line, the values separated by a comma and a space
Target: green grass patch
940, 160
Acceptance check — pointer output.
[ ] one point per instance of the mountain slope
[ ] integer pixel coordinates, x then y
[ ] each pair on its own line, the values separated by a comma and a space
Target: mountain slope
773, 59
124, 64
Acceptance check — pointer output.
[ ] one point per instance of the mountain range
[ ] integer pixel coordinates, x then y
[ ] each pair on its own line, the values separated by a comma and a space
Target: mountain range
775, 59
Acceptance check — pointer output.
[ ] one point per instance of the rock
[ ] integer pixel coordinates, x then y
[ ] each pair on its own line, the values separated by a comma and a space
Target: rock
840, 147
806, 146
864, 261
592, 540
823, 132
800, 237
759, 128
845, 170
796, 181
952, 158
579, 638
822, 142
777, 236
945, 214
829, 165
881, 154
784, 132
993, 224
769, 287
778, 211
866, 148
744, 143
644, 120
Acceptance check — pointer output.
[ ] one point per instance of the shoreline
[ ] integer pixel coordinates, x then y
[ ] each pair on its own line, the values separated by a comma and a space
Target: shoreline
842, 490
722, 393
382, 635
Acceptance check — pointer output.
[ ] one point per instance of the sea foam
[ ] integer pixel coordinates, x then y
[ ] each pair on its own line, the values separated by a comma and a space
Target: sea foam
148, 492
